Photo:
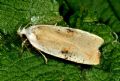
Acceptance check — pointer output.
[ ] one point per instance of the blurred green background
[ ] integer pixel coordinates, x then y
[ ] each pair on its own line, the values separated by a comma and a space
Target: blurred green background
101, 17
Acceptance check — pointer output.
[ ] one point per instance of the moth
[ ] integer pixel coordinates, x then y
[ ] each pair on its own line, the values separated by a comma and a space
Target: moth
63, 42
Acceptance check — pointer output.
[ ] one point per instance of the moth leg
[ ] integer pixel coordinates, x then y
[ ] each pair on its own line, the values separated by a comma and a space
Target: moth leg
46, 60
23, 44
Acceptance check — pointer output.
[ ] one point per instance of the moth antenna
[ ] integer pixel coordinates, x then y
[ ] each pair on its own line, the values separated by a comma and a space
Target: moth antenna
27, 25
46, 60
21, 30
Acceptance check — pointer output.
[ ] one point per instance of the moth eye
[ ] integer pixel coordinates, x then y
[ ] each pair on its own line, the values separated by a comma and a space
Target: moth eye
23, 37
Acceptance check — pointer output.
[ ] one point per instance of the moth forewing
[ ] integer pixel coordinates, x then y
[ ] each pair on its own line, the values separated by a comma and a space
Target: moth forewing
67, 43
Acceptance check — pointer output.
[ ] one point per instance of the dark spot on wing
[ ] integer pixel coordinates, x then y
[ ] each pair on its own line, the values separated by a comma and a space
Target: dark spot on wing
66, 58
70, 31
64, 51
58, 29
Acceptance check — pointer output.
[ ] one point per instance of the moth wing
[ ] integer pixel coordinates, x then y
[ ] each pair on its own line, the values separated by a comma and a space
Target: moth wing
67, 43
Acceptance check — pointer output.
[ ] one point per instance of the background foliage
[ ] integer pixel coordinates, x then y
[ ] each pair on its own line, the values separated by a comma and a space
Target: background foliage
101, 17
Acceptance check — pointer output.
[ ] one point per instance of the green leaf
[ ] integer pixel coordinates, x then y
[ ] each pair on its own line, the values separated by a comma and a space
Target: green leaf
84, 11
99, 17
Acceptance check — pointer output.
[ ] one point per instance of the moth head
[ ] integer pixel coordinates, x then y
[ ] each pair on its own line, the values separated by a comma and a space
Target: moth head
21, 31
